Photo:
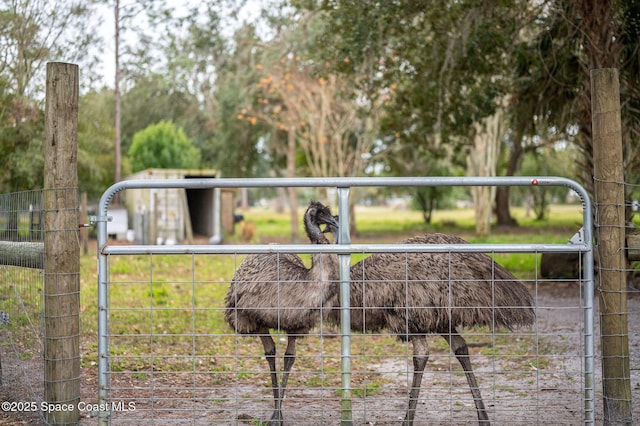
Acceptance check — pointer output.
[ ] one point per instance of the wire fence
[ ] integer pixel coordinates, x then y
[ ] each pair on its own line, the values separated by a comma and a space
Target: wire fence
21, 294
173, 358
618, 290
38, 308
170, 357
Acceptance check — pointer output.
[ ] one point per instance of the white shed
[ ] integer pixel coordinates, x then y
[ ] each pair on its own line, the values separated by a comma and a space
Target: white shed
174, 215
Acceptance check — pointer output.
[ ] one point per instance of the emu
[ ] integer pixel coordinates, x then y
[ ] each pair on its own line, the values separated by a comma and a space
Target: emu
271, 291
415, 294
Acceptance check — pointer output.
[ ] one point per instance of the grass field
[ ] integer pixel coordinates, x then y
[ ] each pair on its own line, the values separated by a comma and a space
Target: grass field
385, 224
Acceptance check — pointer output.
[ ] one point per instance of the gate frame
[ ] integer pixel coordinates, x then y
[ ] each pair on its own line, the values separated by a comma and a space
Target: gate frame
582, 244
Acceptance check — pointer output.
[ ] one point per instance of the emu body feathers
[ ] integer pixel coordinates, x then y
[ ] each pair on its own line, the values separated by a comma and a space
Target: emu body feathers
408, 294
432, 292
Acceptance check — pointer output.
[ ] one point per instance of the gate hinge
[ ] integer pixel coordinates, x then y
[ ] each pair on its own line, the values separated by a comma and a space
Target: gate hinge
95, 219
578, 237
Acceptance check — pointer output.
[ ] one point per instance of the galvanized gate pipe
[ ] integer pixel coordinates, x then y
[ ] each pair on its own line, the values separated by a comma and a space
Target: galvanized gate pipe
344, 238
344, 249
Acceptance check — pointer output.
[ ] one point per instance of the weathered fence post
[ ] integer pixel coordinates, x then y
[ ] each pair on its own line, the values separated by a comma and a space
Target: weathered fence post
62, 247
610, 235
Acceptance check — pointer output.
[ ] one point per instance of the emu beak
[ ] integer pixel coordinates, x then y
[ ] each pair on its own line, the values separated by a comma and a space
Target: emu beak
331, 225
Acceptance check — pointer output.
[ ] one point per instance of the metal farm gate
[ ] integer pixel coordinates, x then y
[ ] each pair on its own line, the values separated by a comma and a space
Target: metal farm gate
166, 355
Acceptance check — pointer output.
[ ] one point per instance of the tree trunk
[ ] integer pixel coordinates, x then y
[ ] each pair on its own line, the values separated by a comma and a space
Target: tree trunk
503, 209
281, 199
244, 197
353, 228
293, 195
482, 201
482, 161
117, 112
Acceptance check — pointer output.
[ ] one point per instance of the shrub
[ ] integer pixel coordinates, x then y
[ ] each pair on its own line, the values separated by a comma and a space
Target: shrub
163, 145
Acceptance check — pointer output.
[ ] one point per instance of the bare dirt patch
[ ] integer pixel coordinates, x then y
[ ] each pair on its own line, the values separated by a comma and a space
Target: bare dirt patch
515, 390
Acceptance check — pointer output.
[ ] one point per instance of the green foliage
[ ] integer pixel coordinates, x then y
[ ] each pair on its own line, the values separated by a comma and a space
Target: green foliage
155, 98
220, 74
21, 137
423, 72
440, 64
31, 33
544, 162
95, 142
162, 145
234, 148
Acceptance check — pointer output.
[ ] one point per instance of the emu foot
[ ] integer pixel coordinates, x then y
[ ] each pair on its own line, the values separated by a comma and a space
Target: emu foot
483, 418
408, 419
276, 419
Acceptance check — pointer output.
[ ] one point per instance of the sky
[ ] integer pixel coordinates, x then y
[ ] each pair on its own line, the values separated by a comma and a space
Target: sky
248, 13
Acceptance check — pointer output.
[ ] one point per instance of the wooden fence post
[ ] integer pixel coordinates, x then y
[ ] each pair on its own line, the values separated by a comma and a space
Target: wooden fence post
62, 248
610, 235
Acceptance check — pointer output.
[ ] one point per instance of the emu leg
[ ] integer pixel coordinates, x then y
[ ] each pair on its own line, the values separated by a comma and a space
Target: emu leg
289, 359
270, 355
460, 349
278, 389
420, 358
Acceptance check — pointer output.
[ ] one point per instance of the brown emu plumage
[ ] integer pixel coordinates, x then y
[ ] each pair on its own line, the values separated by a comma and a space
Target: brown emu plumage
415, 294
438, 290
277, 291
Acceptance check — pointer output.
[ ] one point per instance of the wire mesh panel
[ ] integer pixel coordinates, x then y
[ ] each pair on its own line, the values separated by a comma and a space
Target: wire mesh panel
619, 298
519, 354
21, 287
173, 358
172, 355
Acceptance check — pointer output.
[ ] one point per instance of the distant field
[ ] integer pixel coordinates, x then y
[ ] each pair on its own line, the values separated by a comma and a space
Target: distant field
388, 225
384, 223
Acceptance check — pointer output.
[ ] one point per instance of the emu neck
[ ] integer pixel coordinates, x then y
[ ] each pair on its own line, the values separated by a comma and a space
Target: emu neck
314, 233
324, 266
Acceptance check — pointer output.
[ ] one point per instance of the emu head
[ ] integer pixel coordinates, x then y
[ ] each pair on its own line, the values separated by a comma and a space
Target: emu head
333, 228
318, 214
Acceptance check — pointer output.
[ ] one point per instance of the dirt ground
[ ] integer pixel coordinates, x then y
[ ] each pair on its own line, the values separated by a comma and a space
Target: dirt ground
549, 396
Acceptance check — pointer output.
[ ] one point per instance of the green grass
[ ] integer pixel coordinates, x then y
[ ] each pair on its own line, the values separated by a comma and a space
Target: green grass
384, 223
167, 310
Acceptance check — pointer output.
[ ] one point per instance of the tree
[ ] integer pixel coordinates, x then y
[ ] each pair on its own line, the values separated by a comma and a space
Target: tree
444, 66
569, 39
234, 147
95, 142
326, 120
21, 138
32, 32
127, 16
162, 145
153, 98
443, 63
403, 160
335, 139
35, 31
220, 75
481, 161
